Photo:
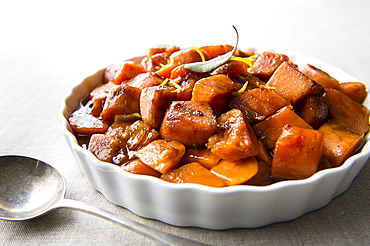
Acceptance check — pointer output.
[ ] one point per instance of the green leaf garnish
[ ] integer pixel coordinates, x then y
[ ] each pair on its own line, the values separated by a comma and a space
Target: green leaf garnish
207, 66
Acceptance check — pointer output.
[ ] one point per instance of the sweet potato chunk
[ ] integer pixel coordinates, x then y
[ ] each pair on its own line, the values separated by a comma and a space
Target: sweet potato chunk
189, 122
215, 90
138, 167
121, 100
340, 141
235, 139
263, 154
266, 64
122, 71
83, 123
292, 84
203, 156
178, 58
193, 173
297, 153
154, 102
313, 109
236, 172
355, 90
186, 79
104, 147
345, 109
320, 76
162, 155
145, 80
262, 101
212, 51
269, 129
263, 175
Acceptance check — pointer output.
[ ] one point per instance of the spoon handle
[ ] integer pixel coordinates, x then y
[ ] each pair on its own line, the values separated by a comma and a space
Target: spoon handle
162, 237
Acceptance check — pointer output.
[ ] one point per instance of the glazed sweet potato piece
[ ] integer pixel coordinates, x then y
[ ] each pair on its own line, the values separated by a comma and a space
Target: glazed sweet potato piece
320, 76
232, 67
292, 84
122, 71
269, 129
154, 102
215, 90
345, 109
313, 109
98, 96
119, 131
193, 173
121, 100
104, 147
203, 156
355, 90
140, 134
145, 80
236, 172
263, 154
266, 64
212, 51
297, 153
263, 175
138, 167
83, 123
262, 101
235, 139
189, 122
186, 79
340, 141
178, 58
162, 155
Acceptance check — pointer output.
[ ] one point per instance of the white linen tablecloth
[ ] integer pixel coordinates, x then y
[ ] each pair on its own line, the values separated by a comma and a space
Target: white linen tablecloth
46, 47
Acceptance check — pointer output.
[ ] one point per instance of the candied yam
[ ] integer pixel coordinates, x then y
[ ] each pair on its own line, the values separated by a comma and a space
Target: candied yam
215, 90
263, 101
263, 175
83, 123
232, 67
189, 122
193, 173
263, 154
140, 134
235, 139
122, 71
313, 109
297, 153
320, 76
138, 167
163, 49
161, 155
104, 147
292, 84
119, 131
121, 100
212, 51
266, 64
145, 80
355, 90
102, 90
270, 128
345, 109
178, 58
154, 102
203, 156
236, 172
340, 141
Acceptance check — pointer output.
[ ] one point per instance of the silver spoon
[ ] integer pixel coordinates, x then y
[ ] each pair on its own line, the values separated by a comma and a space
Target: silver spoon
30, 188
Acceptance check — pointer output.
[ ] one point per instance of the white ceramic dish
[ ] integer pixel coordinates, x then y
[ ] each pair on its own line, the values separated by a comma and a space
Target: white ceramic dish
207, 207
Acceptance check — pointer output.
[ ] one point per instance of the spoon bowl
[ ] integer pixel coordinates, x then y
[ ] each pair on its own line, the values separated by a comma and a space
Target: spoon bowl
30, 188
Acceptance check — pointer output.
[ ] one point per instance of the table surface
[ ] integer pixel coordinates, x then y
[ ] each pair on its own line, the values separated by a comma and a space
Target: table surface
46, 47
